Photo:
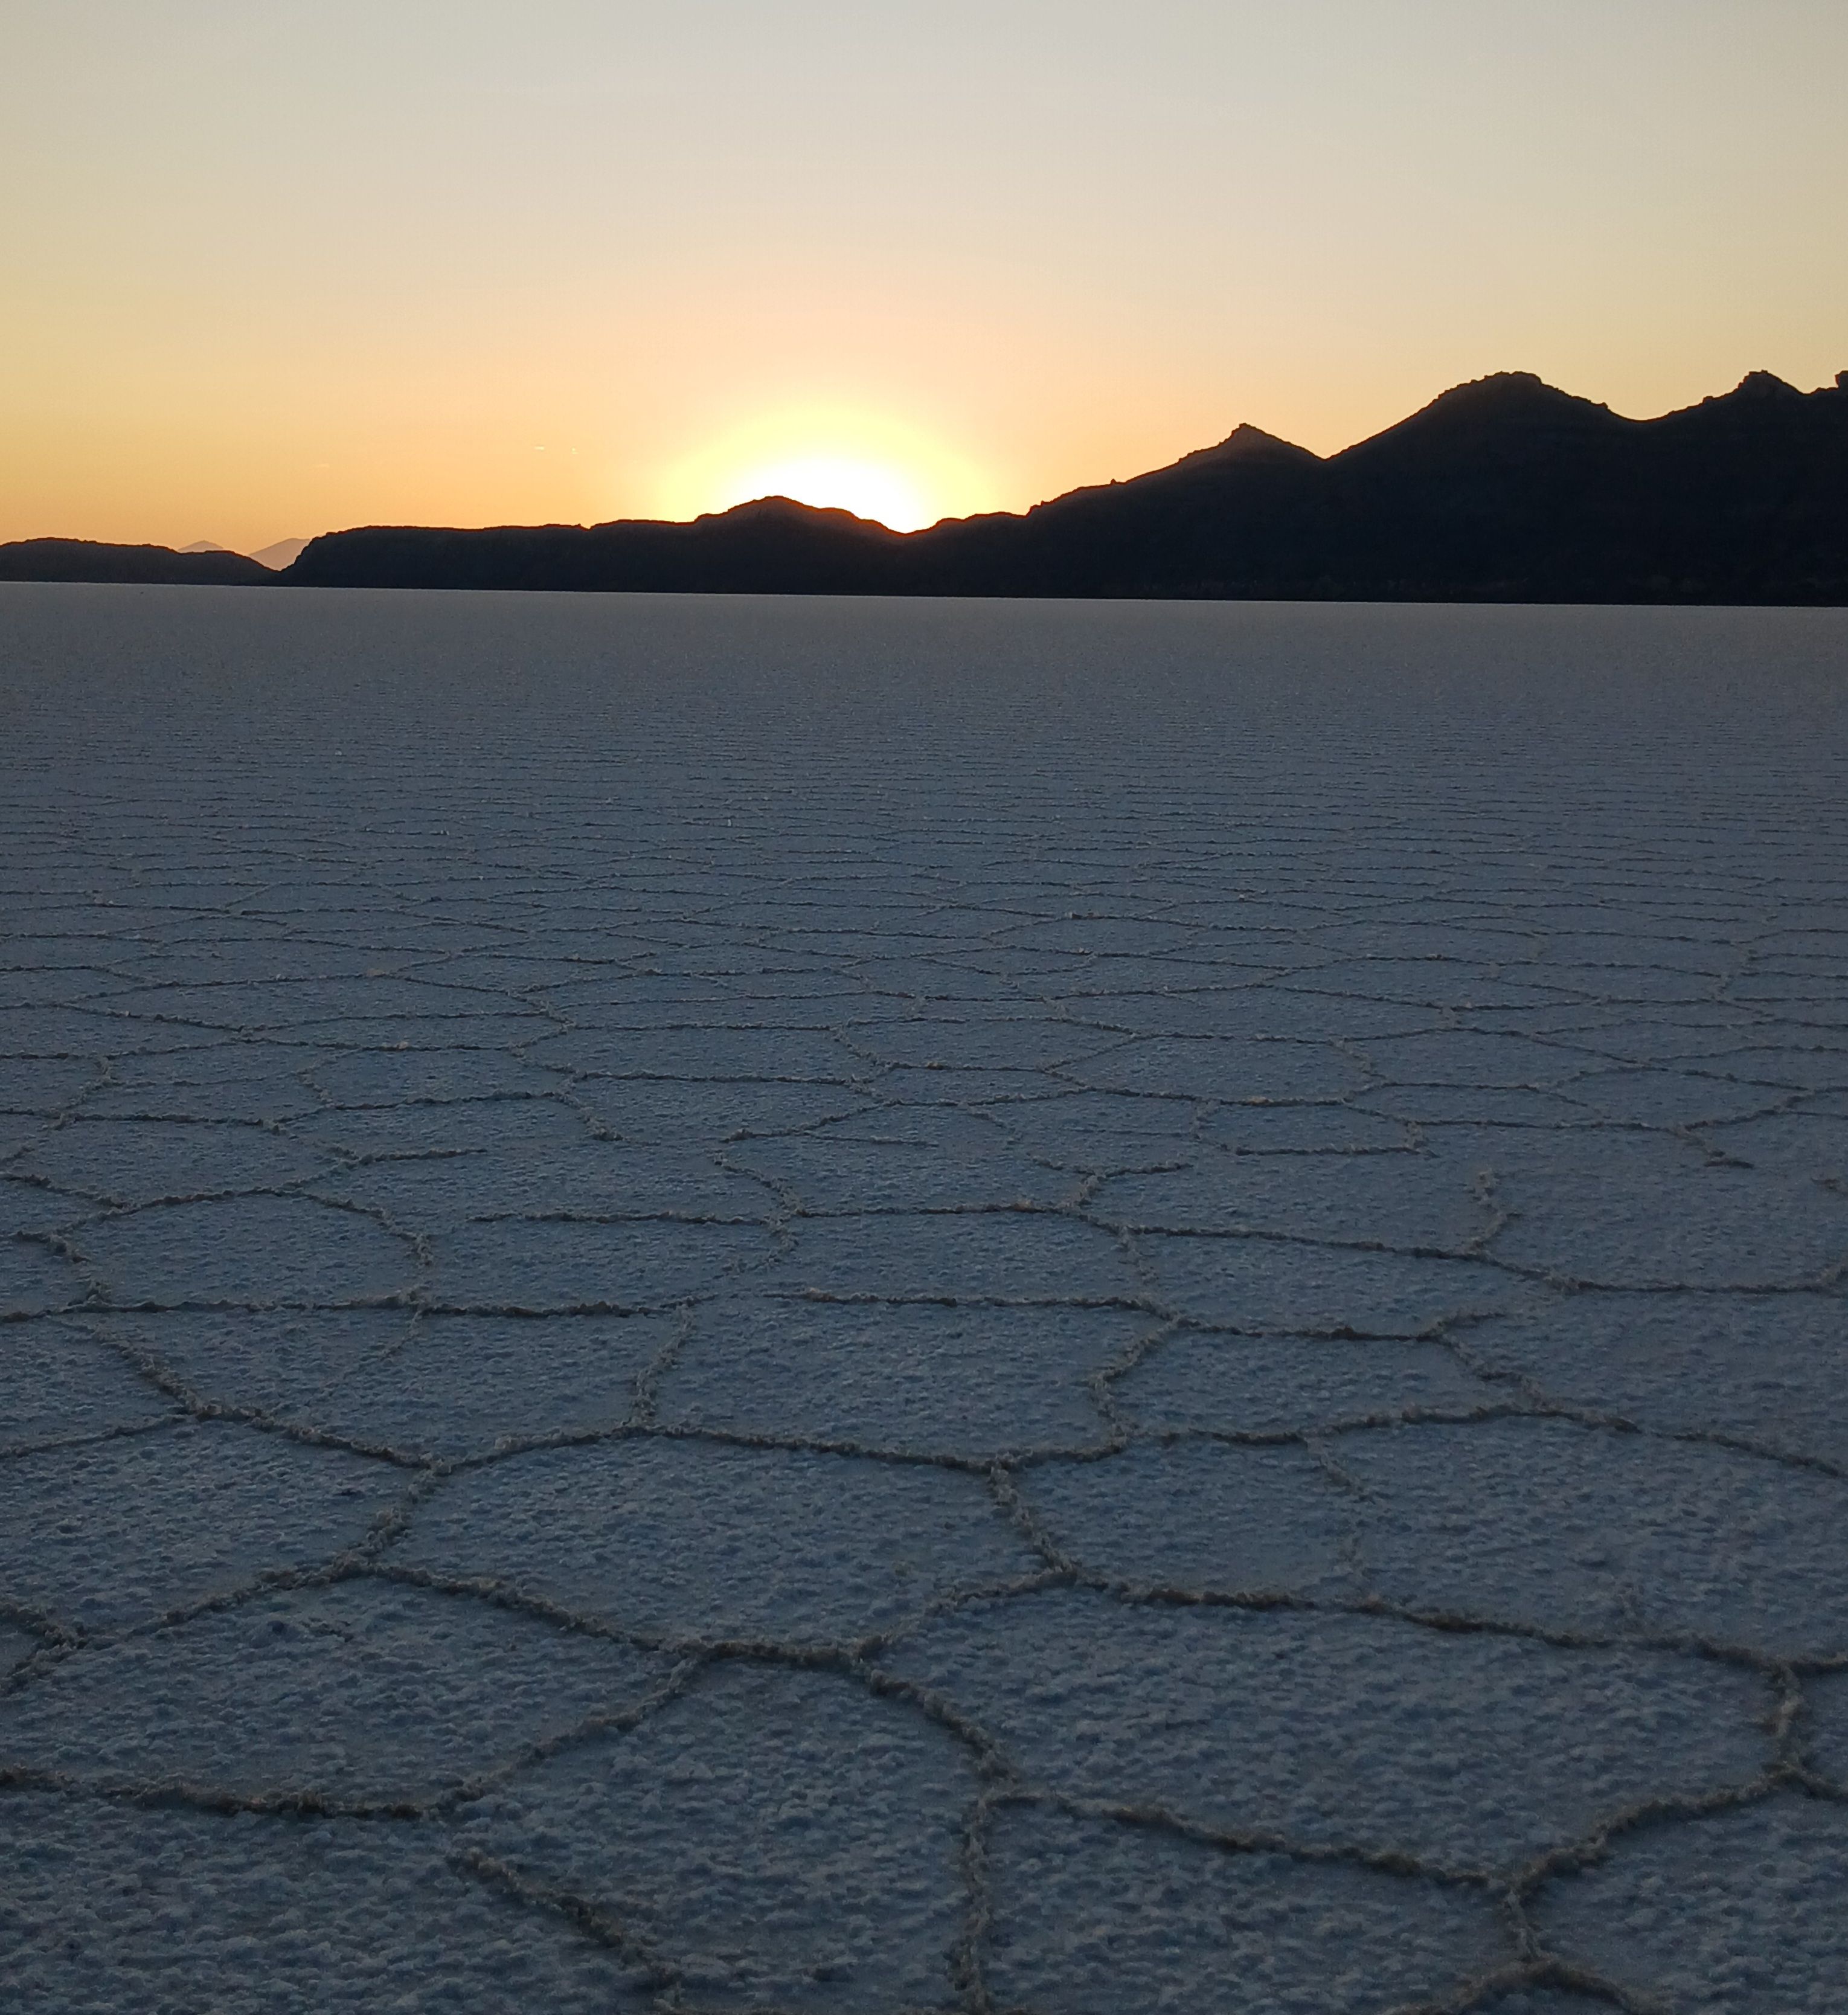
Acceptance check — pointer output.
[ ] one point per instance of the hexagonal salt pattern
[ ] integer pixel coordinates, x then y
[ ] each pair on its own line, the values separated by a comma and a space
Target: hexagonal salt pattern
973, 1382
1355, 1732
776, 1304
1826, 1700
1739, 1910
1547, 1523
776, 1836
144, 1161
366, 1693
257, 1249
1197, 1517
686, 1538
35, 1278
58, 1384
1092, 1916
1293, 1385
107, 1906
1690, 1364
126, 1529
420, 1385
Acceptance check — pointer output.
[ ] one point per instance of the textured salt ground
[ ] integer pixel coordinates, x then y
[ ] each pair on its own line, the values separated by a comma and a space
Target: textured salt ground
58, 1384
263, 1699
1279, 1385
1098, 1915
115, 1532
1571, 1528
974, 1383
782, 1305
686, 1539
1766, 1931
1197, 1516
387, 1378
1127, 1703
107, 1907
774, 1837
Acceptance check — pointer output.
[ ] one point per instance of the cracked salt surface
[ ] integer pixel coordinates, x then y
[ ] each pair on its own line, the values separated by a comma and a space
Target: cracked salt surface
769, 1305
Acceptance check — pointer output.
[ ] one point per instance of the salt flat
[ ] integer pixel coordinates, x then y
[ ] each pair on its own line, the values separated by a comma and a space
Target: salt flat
759, 1305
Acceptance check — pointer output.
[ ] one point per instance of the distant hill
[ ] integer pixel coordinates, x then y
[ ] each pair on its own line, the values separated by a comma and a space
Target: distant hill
85, 559
1505, 490
274, 557
280, 554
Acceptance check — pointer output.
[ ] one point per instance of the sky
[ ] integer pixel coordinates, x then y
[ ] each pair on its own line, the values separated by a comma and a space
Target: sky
269, 271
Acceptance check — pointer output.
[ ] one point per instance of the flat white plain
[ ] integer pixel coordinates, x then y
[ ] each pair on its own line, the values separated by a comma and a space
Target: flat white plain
768, 1305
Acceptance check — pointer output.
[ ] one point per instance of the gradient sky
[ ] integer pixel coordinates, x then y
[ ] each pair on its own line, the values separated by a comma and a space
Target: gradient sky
268, 271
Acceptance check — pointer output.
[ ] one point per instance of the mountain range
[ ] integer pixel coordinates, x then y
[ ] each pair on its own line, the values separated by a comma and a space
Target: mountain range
274, 557
1503, 490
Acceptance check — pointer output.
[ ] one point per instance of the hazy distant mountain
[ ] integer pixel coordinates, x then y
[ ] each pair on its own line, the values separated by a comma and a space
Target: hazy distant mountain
280, 554
274, 557
85, 559
1505, 490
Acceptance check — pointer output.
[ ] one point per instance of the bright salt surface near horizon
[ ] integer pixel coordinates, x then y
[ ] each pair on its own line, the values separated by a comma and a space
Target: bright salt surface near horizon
784, 1304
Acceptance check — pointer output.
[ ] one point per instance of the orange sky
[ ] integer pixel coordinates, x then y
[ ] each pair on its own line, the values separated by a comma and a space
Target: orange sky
270, 272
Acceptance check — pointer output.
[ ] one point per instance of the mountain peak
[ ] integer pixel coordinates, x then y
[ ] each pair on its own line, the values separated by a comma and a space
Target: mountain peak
1759, 398
1502, 391
1508, 406
1247, 443
279, 555
1763, 385
780, 510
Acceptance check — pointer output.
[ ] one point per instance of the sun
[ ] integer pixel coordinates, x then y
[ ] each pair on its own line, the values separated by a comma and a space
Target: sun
837, 482
833, 457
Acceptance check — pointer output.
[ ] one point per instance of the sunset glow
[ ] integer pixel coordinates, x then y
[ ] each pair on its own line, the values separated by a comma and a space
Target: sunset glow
281, 272
836, 482
892, 471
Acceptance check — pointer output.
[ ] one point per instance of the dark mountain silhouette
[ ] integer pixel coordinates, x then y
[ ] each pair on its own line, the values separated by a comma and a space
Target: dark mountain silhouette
85, 559
772, 546
1505, 490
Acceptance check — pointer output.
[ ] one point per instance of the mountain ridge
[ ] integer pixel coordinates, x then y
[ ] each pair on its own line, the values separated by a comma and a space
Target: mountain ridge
1502, 489
93, 560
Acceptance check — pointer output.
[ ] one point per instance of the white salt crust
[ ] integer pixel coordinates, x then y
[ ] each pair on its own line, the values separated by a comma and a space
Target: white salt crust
790, 1306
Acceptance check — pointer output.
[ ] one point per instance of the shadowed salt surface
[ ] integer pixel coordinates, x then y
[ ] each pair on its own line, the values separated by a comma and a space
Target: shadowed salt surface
776, 1304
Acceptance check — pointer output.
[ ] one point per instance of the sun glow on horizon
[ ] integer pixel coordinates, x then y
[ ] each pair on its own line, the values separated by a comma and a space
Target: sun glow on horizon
876, 467
835, 482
